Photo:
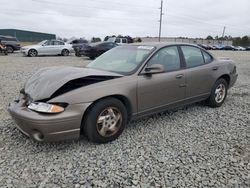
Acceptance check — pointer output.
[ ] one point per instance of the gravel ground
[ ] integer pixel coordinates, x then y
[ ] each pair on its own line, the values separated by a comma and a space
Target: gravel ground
196, 146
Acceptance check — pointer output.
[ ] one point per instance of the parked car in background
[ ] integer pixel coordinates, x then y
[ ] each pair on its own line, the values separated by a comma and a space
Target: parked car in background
218, 47
229, 47
211, 47
94, 50
248, 48
3, 48
240, 48
118, 40
11, 43
127, 82
205, 47
77, 43
47, 47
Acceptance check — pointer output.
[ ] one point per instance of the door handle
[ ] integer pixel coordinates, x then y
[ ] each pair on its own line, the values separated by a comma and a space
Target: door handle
215, 68
179, 76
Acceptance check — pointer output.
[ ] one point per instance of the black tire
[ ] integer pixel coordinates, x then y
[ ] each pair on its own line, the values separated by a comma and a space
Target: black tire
91, 126
77, 54
10, 49
65, 52
92, 57
32, 53
212, 101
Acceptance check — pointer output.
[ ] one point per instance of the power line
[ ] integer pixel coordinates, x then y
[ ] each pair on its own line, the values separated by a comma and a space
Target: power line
96, 7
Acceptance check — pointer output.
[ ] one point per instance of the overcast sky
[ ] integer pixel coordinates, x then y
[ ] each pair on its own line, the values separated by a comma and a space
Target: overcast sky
88, 18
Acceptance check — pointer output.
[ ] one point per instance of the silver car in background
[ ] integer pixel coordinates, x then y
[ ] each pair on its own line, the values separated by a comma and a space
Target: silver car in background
47, 47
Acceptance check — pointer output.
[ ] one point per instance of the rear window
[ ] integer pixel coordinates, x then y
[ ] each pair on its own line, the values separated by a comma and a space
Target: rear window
193, 56
207, 57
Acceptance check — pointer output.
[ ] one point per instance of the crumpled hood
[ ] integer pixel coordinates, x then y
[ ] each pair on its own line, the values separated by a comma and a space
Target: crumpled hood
46, 81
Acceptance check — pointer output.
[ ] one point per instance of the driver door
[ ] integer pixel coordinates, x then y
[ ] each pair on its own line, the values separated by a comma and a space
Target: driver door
156, 91
46, 48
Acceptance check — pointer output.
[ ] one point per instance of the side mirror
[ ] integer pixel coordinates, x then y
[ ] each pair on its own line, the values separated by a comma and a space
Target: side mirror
153, 69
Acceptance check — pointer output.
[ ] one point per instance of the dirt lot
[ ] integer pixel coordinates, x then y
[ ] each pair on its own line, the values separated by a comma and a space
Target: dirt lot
193, 147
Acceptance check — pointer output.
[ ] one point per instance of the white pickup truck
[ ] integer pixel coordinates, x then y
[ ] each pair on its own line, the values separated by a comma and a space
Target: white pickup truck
118, 40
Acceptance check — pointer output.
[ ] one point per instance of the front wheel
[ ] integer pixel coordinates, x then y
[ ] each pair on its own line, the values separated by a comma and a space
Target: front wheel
77, 54
32, 53
218, 94
65, 52
105, 120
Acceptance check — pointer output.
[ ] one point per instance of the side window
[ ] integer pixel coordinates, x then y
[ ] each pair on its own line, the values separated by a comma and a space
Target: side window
168, 57
124, 41
193, 56
49, 43
117, 40
207, 57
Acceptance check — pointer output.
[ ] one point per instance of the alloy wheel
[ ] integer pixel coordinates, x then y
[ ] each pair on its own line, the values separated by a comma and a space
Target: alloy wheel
109, 121
220, 93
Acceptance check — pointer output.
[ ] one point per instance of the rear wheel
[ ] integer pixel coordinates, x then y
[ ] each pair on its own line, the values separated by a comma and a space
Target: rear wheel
218, 94
105, 121
10, 49
65, 52
92, 57
32, 53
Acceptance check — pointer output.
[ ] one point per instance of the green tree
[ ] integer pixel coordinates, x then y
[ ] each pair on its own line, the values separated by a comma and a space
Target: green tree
96, 39
209, 37
245, 41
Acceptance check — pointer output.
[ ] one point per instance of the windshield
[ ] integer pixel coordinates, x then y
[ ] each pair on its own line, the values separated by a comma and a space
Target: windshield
42, 42
123, 59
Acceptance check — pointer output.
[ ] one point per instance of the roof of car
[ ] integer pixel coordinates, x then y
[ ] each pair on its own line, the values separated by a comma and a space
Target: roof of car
160, 44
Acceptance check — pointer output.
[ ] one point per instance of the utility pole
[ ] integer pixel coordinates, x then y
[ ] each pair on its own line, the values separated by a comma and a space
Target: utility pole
160, 20
223, 33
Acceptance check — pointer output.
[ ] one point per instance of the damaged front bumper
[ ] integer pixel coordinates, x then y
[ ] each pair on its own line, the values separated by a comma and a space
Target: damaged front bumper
48, 127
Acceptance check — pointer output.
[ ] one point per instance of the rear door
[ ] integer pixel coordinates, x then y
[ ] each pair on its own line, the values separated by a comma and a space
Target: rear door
199, 71
58, 46
159, 90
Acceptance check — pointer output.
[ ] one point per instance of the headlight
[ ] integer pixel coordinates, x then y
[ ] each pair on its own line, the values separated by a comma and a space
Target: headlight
46, 108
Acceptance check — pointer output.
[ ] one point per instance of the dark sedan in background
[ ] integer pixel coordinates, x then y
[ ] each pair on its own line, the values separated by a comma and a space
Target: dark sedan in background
94, 50
78, 43
11, 43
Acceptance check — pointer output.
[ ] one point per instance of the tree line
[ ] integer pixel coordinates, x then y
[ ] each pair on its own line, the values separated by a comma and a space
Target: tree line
237, 41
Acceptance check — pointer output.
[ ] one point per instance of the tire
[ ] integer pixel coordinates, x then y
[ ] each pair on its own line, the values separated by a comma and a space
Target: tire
112, 117
5, 52
65, 52
77, 54
218, 93
32, 53
92, 57
10, 49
